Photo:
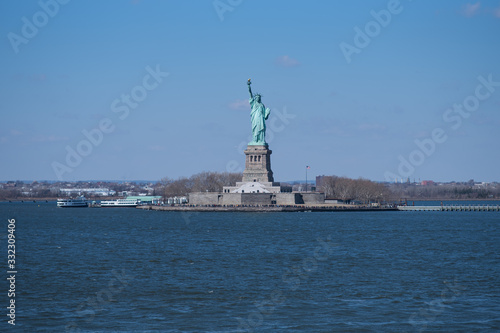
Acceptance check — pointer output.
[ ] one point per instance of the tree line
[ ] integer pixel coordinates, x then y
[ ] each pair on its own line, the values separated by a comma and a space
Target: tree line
201, 182
342, 188
445, 191
348, 189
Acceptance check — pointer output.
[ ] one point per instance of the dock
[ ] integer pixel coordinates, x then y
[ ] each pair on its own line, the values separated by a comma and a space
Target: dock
451, 208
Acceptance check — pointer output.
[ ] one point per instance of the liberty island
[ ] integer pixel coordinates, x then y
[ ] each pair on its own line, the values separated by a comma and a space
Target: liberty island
258, 190
257, 187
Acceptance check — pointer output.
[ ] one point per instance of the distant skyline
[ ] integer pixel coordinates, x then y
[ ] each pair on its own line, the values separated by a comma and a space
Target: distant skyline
137, 89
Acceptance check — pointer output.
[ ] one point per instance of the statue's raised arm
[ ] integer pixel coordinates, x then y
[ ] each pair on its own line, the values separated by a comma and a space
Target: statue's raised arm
250, 88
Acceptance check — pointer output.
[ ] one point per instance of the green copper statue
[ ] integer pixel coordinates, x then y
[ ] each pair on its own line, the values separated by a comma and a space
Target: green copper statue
259, 116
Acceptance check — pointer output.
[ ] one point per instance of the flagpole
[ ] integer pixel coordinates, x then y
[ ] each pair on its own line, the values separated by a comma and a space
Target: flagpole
306, 179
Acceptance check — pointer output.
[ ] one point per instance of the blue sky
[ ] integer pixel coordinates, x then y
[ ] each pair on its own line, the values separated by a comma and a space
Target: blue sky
382, 112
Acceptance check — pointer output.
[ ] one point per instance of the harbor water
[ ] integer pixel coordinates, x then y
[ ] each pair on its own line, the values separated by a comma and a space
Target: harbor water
130, 270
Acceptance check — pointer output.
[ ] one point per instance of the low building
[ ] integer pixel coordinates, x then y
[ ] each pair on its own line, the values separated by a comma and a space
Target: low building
256, 199
146, 199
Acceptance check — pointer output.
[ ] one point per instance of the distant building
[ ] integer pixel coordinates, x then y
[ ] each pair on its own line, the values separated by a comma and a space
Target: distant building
319, 182
146, 199
92, 191
427, 183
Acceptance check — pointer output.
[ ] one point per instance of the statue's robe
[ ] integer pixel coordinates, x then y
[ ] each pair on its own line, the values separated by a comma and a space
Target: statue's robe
258, 116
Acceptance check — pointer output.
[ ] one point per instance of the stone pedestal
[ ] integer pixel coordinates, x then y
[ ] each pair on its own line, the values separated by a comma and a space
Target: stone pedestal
258, 176
258, 165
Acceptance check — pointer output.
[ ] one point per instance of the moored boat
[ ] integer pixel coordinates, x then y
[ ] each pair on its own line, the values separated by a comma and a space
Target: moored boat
120, 203
76, 202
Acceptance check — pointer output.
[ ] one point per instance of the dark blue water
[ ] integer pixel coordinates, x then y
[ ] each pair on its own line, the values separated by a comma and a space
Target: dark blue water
108, 270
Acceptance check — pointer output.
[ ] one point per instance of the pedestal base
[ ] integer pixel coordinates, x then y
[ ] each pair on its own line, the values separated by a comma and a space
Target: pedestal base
258, 165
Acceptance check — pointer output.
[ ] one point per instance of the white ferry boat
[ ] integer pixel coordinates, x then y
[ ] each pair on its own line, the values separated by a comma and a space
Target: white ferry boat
120, 203
78, 202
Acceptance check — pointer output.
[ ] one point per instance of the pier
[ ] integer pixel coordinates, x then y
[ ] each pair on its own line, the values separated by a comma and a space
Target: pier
452, 208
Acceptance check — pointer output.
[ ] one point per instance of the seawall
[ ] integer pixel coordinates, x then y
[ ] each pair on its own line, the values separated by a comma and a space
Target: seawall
296, 208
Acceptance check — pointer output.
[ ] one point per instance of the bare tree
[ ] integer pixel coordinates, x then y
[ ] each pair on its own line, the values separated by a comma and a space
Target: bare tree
328, 186
344, 188
350, 189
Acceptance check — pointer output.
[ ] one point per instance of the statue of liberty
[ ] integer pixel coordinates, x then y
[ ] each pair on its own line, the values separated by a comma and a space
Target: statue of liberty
258, 116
